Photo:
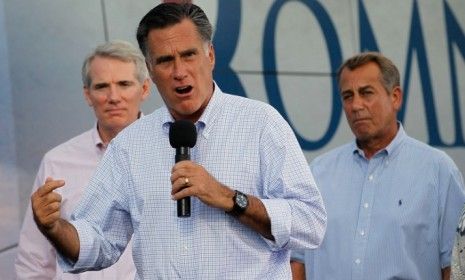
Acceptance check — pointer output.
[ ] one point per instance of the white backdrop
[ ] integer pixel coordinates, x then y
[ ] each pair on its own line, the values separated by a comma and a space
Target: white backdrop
281, 52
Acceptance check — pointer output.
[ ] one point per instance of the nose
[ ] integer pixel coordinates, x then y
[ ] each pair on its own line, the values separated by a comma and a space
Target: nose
179, 70
357, 103
114, 96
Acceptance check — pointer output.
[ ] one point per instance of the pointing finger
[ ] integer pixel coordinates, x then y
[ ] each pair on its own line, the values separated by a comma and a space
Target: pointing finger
49, 186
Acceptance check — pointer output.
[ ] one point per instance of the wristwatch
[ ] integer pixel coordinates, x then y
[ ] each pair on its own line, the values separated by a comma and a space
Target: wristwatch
241, 201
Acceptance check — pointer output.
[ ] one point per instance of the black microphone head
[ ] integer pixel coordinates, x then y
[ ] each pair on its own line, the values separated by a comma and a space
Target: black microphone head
183, 134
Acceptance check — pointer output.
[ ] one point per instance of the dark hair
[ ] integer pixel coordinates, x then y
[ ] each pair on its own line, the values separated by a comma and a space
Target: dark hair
169, 14
390, 77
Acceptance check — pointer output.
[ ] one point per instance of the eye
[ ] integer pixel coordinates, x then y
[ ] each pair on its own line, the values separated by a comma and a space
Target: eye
189, 54
125, 83
366, 90
346, 95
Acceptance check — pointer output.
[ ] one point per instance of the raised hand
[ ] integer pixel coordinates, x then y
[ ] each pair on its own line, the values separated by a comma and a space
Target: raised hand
46, 204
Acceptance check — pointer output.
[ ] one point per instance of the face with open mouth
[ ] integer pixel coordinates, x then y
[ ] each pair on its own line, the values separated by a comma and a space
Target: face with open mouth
181, 66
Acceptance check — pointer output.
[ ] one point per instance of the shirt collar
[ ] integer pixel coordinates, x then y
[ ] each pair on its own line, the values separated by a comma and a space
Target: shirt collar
207, 118
97, 140
389, 149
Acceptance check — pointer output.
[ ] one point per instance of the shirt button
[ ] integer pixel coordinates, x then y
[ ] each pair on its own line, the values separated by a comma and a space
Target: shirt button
357, 261
185, 247
366, 205
362, 232
370, 177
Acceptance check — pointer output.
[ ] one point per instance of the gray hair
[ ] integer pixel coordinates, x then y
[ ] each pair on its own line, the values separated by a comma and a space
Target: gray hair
169, 14
390, 77
120, 50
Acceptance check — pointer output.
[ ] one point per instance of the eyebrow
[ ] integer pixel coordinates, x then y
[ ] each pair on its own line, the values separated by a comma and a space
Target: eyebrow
100, 85
166, 58
189, 51
358, 89
364, 88
105, 84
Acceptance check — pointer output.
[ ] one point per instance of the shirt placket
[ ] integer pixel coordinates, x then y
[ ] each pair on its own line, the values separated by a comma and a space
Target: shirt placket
184, 245
364, 215
187, 245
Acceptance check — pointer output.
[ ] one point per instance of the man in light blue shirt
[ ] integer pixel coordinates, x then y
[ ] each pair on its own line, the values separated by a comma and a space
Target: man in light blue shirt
392, 202
253, 196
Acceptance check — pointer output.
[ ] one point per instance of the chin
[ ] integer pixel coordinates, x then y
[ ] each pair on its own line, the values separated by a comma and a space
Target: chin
363, 136
117, 124
361, 132
187, 111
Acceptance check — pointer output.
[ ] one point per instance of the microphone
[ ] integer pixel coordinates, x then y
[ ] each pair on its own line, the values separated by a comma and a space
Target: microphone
183, 136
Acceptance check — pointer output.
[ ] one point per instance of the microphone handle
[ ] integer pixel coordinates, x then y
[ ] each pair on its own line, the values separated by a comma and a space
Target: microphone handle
184, 204
182, 153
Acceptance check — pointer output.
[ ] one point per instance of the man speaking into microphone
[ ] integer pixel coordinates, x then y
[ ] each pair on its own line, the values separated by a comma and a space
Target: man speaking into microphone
253, 197
183, 136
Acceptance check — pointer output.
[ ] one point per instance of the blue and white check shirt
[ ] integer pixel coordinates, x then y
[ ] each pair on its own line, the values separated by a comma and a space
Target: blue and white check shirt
244, 144
391, 217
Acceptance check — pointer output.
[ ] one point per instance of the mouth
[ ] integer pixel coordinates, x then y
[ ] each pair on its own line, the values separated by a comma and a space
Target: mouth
183, 89
115, 110
360, 121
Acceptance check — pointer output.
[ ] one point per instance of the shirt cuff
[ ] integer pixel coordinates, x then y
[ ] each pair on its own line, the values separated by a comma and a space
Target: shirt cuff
298, 256
279, 214
86, 258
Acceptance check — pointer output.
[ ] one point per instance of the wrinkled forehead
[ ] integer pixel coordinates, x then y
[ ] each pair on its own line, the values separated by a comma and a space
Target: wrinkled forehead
175, 38
363, 74
102, 68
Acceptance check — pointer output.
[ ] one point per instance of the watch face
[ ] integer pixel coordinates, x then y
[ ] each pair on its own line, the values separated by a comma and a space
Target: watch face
241, 200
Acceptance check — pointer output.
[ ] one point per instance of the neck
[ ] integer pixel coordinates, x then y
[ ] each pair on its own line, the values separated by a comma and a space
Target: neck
106, 135
373, 145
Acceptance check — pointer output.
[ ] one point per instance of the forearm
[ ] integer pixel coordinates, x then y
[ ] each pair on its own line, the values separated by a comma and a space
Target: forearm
65, 239
445, 273
298, 270
191, 179
257, 218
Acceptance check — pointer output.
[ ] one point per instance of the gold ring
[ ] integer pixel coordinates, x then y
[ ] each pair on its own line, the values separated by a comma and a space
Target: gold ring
186, 181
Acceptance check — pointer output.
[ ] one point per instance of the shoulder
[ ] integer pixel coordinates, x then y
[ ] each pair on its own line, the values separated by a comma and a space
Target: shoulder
71, 147
252, 111
235, 102
144, 127
430, 162
334, 154
335, 160
422, 151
